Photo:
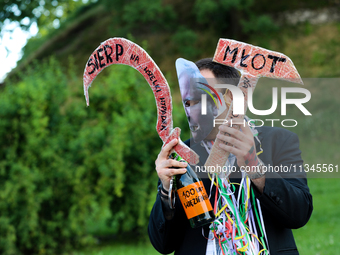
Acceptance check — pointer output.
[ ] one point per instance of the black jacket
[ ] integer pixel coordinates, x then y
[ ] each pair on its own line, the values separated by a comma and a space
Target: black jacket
286, 202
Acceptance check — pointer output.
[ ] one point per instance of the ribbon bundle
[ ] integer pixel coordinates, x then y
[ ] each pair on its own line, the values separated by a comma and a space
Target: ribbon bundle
239, 226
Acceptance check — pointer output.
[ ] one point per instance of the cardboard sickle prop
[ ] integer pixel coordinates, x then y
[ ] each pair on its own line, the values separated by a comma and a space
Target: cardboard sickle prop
253, 62
123, 51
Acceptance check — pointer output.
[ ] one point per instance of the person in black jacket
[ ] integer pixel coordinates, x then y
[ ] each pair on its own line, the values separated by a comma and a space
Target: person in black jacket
284, 197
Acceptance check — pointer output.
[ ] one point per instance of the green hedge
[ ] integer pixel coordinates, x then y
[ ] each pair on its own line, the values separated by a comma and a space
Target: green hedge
65, 168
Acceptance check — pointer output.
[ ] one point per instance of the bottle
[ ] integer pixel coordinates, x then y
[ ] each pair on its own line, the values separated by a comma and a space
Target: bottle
193, 196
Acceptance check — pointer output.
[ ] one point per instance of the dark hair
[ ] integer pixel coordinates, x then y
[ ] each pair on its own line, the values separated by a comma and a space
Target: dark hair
219, 70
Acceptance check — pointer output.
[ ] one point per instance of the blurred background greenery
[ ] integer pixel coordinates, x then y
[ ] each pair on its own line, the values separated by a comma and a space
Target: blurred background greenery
77, 180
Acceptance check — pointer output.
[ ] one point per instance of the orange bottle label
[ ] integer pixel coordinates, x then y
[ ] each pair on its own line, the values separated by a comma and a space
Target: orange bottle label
194, 199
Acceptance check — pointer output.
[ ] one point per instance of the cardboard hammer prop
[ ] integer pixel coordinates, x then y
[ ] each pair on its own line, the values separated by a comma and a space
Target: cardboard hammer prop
253, 62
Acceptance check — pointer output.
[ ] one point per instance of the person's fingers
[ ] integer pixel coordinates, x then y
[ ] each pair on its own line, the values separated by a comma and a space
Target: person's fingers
237, 152
168, 169
165, 151
241, 124
169, 172
171, 163
233, 132
232, 141
246, 129
165, 167
237, 140
236, 123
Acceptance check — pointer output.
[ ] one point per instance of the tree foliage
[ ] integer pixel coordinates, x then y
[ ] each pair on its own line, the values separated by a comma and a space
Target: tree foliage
44, 12
159, 13
183, 28
62, 165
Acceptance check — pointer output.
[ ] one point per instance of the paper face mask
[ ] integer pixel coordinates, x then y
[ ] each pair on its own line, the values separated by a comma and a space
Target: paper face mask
201, 102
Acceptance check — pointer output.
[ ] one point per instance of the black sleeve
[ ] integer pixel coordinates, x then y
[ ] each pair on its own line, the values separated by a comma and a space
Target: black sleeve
166, 235
286, 196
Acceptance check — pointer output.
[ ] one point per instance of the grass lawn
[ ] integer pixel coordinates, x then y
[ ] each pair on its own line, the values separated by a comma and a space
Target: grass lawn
319, 237
119, 249
321, 234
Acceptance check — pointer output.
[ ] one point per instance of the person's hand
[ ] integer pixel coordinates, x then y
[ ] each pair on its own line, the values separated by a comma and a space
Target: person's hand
241, 144
166, 167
